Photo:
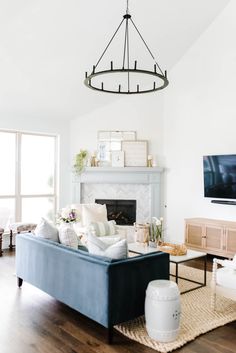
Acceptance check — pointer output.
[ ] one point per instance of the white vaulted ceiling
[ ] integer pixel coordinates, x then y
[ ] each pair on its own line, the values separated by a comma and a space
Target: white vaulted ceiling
47, 45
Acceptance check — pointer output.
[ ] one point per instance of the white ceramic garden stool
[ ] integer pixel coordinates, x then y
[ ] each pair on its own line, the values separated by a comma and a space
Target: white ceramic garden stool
162, 310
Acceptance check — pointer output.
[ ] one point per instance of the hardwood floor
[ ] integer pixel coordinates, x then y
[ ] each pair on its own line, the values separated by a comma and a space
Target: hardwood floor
33, 322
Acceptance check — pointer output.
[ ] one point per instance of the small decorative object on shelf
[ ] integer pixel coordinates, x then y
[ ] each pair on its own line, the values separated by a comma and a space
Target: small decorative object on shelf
97, 162
149, 161
93, 160
156, 231
68, 215
80, 161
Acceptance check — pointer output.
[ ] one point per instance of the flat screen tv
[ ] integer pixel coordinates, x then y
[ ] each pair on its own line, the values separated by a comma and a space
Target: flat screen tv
220, 176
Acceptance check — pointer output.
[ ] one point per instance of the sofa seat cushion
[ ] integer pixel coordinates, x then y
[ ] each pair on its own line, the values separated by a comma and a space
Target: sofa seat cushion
101, 229
226, 278
117, 251
46, 230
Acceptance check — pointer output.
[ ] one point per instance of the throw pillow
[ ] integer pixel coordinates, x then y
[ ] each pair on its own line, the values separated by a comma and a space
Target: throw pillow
117, 251
68, 237
103, 228
93, 213
46, 230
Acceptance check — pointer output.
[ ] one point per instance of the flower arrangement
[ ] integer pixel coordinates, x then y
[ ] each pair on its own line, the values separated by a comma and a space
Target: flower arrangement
156, 229
68, 215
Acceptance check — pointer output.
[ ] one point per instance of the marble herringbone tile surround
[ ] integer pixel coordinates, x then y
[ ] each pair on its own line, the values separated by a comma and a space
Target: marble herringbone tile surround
139, 192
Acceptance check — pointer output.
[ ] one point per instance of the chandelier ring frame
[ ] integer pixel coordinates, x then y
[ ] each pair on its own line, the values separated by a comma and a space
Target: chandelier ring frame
88, 81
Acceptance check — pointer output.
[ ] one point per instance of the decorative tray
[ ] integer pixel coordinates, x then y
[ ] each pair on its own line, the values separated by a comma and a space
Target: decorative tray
173, 249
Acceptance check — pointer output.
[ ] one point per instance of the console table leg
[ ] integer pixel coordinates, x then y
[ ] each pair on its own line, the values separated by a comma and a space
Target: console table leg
176, 272
0, 244
205, 270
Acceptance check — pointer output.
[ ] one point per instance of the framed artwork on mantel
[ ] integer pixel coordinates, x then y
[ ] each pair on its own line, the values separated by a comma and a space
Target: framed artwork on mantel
117, 159
109, 142
135, 153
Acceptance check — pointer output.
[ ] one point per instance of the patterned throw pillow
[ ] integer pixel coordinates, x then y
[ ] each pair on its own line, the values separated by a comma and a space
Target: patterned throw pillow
68, 237
101, 229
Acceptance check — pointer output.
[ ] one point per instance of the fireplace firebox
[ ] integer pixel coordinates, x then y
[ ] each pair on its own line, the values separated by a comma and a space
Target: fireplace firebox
121, 211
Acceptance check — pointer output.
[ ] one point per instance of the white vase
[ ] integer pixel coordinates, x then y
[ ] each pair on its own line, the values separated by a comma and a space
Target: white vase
152, 244
162, 310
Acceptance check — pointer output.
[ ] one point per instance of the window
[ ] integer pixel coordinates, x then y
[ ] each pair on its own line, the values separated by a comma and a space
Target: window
28, 179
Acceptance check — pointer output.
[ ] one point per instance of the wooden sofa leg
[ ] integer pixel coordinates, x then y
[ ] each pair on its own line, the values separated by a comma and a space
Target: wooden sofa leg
19, 281
110, 335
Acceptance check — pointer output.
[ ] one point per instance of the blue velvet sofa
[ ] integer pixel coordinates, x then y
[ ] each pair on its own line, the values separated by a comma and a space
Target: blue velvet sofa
107, 291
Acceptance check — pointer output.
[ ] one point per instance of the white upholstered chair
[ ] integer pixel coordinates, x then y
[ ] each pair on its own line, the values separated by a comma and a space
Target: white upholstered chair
95, 212
223, 279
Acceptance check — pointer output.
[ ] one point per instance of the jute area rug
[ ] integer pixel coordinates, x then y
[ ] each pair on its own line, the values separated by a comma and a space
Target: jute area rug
196, 315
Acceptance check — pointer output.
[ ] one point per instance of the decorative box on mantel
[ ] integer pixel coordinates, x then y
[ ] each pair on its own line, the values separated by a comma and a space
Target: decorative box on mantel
140, 183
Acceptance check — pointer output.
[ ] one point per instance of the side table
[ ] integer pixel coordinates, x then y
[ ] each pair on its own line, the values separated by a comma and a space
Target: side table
191, 255
162, 310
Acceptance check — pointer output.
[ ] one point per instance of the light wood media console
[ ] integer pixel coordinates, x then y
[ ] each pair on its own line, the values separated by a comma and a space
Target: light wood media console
212, 236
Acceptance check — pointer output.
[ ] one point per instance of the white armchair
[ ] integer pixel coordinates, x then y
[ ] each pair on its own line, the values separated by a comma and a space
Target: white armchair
223, 279
98, 213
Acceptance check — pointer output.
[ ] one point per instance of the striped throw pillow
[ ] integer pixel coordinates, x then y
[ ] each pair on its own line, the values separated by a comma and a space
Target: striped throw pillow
102, 229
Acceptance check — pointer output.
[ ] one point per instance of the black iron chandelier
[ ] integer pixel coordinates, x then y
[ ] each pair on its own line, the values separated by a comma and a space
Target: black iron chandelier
97, 78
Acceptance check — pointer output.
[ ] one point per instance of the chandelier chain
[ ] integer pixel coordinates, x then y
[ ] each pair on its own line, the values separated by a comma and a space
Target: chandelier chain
146, 46
109, 43
127, 7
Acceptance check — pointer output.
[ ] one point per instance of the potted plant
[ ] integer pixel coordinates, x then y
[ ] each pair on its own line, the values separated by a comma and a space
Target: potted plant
80, 160
156, 231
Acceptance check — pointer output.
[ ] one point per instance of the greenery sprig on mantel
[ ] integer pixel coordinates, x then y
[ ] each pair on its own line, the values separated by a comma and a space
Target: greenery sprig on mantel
80, 160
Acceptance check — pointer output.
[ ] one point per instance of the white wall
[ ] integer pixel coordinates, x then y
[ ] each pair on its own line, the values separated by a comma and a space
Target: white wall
53, 126
141, 113
200, 119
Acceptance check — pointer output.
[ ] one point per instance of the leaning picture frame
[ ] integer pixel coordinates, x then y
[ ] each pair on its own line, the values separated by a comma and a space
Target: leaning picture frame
136, 153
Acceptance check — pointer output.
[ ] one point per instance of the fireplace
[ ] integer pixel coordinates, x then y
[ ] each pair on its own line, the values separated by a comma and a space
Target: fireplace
121, 211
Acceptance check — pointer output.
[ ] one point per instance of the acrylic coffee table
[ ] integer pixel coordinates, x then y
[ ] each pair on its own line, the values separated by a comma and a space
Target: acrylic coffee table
139, 248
